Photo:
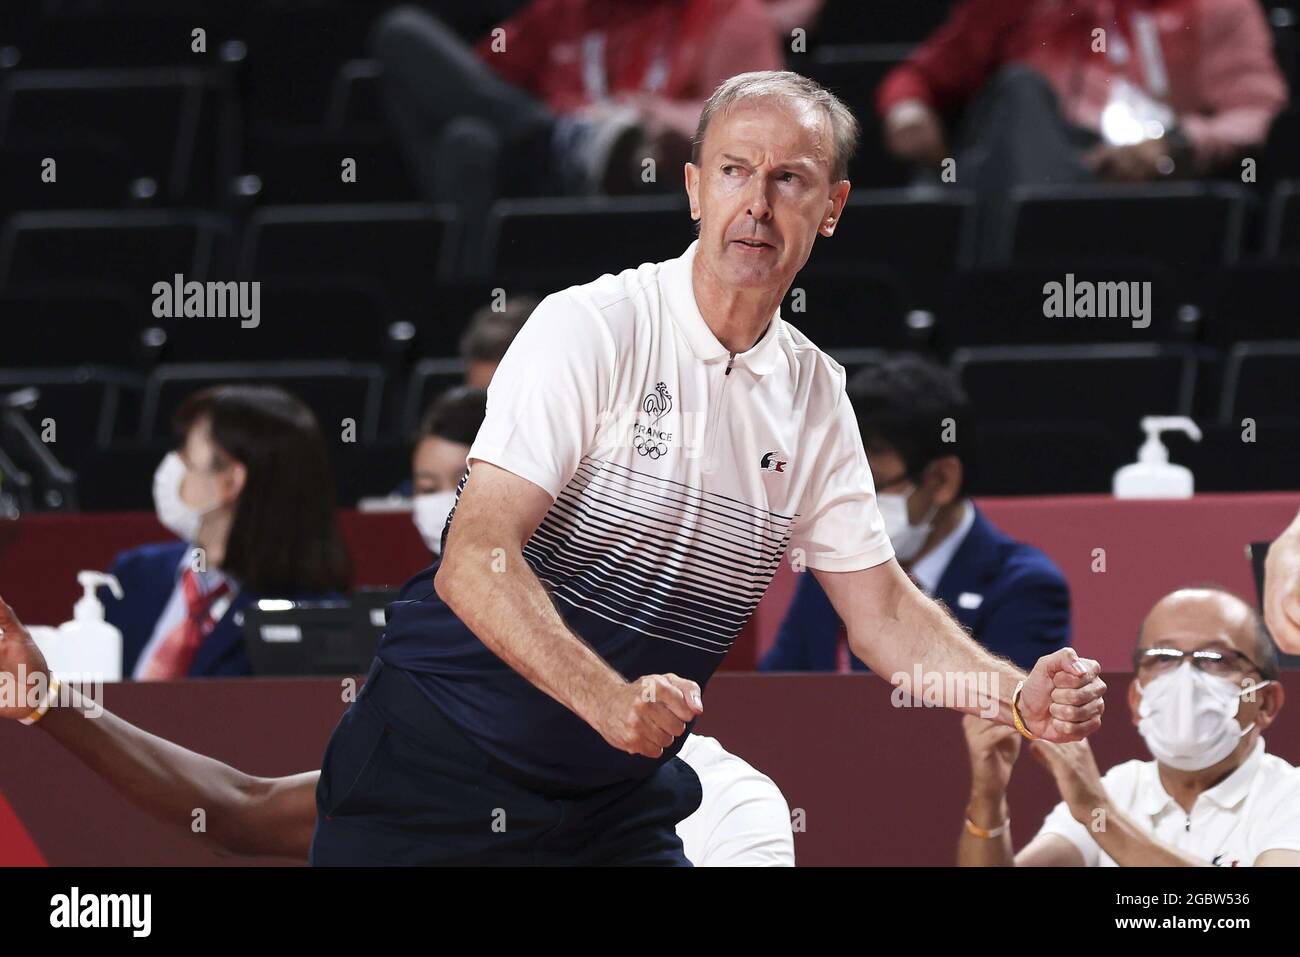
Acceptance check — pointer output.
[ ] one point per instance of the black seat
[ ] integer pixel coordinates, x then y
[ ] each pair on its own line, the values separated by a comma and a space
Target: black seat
1185, 227
1006, 305
63, 326
881, 21
922, 233
1262, 382
1251, 301
88, 406
555, 242
297, 319
334, 391
126, 252
154, 120
1283, 230
1115, 384
428, 380
395, 252
848, 308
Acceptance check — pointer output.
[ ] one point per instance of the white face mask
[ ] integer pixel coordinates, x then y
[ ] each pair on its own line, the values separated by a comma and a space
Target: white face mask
907, 539
1189, 719
181, 519
430, 515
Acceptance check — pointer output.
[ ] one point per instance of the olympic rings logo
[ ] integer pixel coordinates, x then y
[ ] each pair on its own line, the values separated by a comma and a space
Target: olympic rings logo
652, 449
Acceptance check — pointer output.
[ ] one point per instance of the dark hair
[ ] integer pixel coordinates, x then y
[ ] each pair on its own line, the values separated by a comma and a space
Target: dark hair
284, 538
489, 333
455, 415
1264, 653
903, 403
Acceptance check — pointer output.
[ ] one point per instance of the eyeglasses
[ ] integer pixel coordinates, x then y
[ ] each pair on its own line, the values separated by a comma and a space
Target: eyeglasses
1221, 663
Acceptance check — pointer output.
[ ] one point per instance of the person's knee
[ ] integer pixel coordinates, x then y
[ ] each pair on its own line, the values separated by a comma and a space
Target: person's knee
1018, 80
470, 141
392, 32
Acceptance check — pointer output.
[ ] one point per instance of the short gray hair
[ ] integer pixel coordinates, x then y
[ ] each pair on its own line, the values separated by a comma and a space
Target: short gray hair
784, 84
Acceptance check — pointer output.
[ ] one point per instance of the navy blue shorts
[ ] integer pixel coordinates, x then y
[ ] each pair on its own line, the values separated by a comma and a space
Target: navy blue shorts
401, 785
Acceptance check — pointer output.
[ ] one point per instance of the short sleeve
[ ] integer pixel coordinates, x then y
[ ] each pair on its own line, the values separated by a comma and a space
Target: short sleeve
1061, 822
547, 396
1278, 819
839, 527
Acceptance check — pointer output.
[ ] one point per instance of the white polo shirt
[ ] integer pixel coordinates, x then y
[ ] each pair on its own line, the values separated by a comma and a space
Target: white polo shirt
677, 488
1254, 809
743, 820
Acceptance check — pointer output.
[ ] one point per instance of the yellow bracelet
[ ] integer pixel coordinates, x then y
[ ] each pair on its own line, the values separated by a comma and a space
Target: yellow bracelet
39, 712
1015, 714
986, 833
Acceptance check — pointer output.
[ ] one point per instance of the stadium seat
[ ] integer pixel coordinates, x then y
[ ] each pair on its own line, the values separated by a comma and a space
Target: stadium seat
921, 232
394, 252
428, 380
554, 242
1250, 302
880, 21
60, 327
1282, 238
1115, 384
298, 319
1185, 227
89, 406
843, 308
334, 391
1262, 382
163, 123
1004, 305
126, 252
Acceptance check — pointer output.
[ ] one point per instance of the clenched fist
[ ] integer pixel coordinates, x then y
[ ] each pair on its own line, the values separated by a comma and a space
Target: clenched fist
647, 715
1062, 698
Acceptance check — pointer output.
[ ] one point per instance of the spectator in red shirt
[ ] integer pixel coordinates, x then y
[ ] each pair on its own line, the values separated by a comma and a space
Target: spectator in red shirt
1086, 90
567, 97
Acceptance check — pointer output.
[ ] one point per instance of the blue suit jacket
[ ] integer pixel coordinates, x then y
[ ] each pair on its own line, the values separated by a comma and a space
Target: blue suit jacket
148, 575
1024, 614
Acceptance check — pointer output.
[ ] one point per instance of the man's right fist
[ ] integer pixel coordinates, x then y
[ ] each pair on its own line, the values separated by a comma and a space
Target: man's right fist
993, 750
19, 658
647, 715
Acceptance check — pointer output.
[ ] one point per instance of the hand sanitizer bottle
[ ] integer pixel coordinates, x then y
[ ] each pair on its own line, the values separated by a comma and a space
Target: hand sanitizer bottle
1152, 475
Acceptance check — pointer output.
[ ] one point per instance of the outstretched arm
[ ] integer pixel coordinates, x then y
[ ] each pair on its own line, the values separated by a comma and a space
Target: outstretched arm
242, 814
899, 632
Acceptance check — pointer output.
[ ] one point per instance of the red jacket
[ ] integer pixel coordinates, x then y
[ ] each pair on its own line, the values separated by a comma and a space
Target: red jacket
1213, 63
571, 53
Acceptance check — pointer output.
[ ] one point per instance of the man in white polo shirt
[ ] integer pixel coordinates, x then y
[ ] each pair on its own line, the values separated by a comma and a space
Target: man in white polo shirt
1205, 690
655, 442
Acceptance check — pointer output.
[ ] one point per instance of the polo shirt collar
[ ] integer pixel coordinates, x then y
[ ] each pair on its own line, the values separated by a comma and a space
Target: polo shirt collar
1227, 794
1233, 789
679, 295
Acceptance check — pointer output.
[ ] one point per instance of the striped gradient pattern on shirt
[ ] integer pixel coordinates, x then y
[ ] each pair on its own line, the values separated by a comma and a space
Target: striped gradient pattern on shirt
657, 556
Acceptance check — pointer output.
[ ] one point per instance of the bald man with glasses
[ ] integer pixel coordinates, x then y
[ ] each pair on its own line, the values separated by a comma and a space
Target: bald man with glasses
1205, 689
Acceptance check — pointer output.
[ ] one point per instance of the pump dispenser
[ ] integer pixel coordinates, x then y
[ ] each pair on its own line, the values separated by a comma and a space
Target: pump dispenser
1153, 475
87, 646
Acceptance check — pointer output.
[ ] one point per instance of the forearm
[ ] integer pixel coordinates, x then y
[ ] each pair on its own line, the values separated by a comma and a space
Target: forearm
168, 782
989, 811
512, 614
914, 634
1130, 846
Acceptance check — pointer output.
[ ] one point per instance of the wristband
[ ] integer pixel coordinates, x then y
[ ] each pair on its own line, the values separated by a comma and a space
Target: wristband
1015, 714
986, 833
50, 694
